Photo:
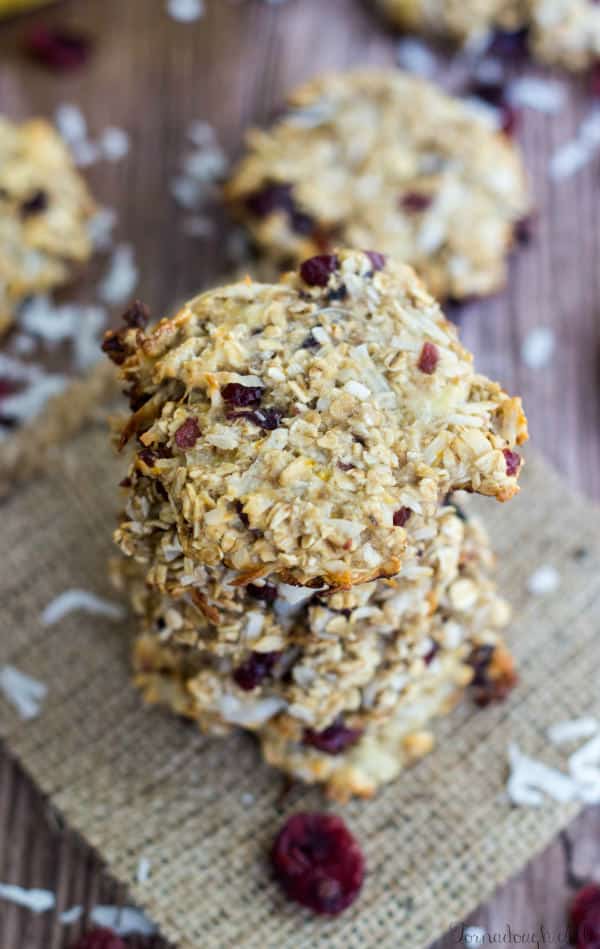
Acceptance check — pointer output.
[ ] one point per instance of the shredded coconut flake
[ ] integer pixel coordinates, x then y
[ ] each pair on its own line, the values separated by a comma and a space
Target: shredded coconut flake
415, 57
38, 901
198, 225
123, 920
544, 580
100, 228
114, 143
572, 730
121, 278
544, 95
530, 780
185, 11
568, 159
70, 915
142, 874
248, 799
538, 347
81, 325
70, 123
72, 600
23, 692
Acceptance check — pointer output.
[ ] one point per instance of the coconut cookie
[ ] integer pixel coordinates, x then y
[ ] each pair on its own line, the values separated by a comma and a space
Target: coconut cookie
294, 429
559, 32
44, 210
382, 159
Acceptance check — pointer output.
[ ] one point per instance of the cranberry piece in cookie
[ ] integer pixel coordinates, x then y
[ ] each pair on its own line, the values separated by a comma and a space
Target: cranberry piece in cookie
333, 740
318, 862
316, 270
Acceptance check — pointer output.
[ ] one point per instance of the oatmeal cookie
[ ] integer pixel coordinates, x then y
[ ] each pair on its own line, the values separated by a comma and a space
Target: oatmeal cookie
559, 32
294, 429
383, 159
44, 210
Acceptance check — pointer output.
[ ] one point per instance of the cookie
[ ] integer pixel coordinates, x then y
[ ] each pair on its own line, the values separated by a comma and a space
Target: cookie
44, 210
559, 32
382, 159
293, 429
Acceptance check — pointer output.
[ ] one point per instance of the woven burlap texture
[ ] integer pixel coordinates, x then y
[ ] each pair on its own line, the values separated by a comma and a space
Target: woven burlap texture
137, 782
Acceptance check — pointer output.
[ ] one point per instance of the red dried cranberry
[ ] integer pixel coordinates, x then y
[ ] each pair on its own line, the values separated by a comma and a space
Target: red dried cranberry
414, 203
58, 49
267, 592
239, 396
279, 197
316, 270
187, 434
489, 90
332, 740
137, 315
9, 387
35, 204
487, 687
509, 44
257, 667
378, 260
401, 516
584, 917
269, 419
431, 654
114, 346
429, 358
318, 862
480, 660
99, 939
513, 462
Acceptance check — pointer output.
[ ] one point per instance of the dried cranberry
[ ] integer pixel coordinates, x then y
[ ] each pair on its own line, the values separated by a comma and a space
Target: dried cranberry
279, 197
137, 315
509, 44
431, 654
150, 455
114, 347
187, 434
257, 667
401, 516
316, 270
595, 81
99, 939
377, 260
318, 862
310, 342
513, 461
269, 419
267, 592
332, 740
480, 660
488, 687
58, 49
584, 917
428, 359
35, 204
489, 90
524, 229
414, 203
9, 387
239, 396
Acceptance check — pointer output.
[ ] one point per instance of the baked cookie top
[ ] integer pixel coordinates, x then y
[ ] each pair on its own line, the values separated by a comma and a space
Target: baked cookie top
378, 158
44, 210
560, 32
295, 426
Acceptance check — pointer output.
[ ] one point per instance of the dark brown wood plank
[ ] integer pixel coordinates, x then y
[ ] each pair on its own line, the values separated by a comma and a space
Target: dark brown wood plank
153, 76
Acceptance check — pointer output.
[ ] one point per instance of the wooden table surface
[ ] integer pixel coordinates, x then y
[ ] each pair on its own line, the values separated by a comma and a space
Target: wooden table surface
153, 76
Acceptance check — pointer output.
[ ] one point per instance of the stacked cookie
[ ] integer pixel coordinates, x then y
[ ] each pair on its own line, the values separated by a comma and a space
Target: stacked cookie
288, 543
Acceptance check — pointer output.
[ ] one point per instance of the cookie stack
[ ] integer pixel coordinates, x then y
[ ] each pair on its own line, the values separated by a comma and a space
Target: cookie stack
289, 545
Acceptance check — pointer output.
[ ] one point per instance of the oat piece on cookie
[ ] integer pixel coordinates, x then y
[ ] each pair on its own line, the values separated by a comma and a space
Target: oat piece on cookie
558, 32
294, 428
386, 160
44, 210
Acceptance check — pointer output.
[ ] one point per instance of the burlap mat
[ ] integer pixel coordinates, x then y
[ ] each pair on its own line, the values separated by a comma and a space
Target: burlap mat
139, 783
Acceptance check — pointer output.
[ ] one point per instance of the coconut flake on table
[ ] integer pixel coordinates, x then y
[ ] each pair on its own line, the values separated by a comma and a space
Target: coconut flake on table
39, 386
71, 124
123, 920
198, 225
573, 730
121, 278
22, 691
248, 799
22, 344
185, 11
142, 873
201, 133
85, 153
100, 228
81, 600
38, 901
530, 781
114, 143
576, 153
80, 324
538, 347
544, 580
416, 57
543, 95
71, 915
